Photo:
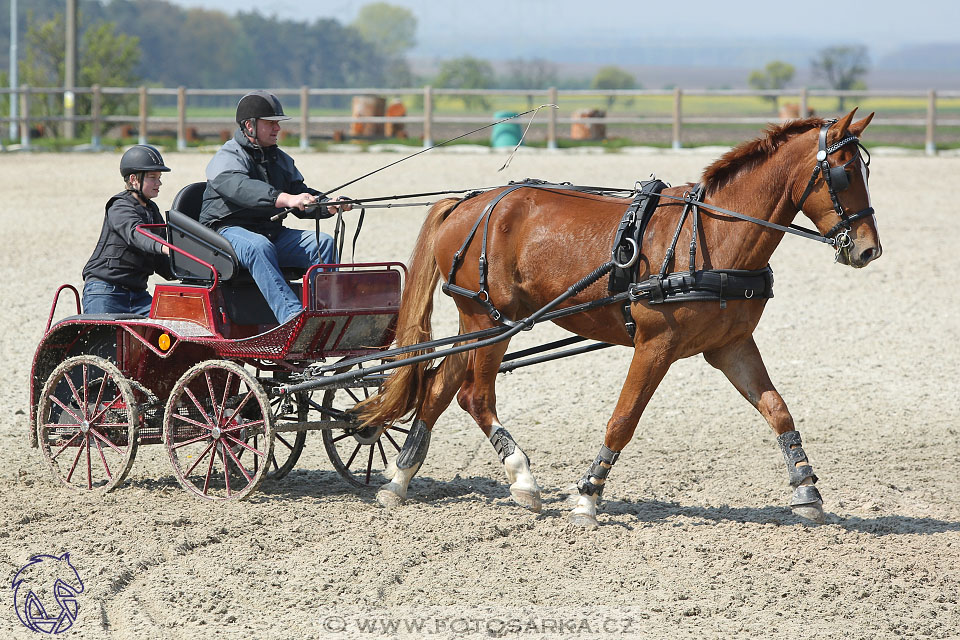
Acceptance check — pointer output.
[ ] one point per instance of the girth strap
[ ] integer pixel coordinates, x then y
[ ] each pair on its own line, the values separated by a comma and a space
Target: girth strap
711, 284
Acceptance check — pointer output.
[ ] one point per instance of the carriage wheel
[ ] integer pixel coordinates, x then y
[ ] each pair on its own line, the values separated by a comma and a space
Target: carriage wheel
360, 456
87, 424
287, 445
218, 431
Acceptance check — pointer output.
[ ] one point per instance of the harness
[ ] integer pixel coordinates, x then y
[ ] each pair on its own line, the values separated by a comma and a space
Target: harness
663, 287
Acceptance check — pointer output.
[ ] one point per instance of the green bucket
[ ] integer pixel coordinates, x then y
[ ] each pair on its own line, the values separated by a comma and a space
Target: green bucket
505, 134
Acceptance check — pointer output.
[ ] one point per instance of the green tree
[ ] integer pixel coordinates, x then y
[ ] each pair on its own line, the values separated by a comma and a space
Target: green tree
613, 79
536, 73
467, 73
775, 76
389, 28
842, 67
105, 58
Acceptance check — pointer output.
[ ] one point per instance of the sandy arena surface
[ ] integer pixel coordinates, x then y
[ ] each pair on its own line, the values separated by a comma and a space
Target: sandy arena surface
695, 538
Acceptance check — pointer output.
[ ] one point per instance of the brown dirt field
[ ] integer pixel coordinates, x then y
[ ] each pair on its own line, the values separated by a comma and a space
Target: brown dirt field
695, 538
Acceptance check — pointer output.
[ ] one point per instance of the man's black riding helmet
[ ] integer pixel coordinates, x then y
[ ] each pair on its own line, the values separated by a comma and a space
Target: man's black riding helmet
261, 105
141, 158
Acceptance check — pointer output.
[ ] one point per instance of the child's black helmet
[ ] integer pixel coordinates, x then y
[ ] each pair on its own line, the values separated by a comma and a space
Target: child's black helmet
141, 158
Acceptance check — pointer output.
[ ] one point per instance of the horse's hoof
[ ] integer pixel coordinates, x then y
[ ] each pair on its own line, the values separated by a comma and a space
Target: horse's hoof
812, 512
583, 520
388, 499
527, 499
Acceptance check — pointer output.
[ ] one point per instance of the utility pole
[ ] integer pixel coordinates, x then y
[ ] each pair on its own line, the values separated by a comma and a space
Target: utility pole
70, 69
13, 69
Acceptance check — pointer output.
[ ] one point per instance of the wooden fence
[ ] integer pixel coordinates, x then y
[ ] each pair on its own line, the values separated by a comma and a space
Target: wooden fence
430, 117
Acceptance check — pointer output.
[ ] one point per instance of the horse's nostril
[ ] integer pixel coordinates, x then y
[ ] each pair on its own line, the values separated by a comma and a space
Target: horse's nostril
867, 255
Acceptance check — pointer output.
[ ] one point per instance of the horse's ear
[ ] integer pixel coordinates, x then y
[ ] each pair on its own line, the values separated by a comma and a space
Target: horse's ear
857, 127
844, 123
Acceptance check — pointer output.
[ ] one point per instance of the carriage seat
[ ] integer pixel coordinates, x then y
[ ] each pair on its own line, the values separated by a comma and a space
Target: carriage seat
187, 233
243, 301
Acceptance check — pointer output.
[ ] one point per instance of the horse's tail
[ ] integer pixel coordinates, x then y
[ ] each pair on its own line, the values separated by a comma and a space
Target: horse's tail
404, 389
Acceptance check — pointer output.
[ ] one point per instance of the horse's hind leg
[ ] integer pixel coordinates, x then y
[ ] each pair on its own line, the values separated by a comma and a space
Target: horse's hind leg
443, 383
742, 364
477, 397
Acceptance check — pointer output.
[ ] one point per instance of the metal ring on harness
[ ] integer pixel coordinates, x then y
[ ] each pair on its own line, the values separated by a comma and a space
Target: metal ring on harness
634, 254
748, 294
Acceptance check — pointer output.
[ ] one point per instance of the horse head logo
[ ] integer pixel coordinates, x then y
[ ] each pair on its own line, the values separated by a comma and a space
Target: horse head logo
41, 582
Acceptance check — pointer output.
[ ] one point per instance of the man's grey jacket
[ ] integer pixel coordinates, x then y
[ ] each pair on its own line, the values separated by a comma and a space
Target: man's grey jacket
243, 182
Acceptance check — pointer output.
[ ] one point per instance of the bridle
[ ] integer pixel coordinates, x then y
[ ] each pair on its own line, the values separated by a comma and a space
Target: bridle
837, 180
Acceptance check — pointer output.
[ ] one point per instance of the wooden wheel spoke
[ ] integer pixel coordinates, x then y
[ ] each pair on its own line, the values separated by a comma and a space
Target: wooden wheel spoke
284, 441
177, 416
61, 449
226, 469
202, 455
369, 464
237, 462
76, 460
86, 397
103, 459
386, 433
96, 405
89, 466
401, 430
68, 410
217, 412
341, 437
206, 480
190, 441
243, 444
383, 454
352, 456
99, 436
99, 412
243, 425
76, 397
350, 393
243, 403
197, 404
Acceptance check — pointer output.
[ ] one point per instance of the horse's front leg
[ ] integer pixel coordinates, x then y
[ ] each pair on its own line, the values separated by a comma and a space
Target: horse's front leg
742, 364
649, 365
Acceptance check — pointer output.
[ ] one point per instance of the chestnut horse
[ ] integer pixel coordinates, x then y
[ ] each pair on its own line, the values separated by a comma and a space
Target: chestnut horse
541, 241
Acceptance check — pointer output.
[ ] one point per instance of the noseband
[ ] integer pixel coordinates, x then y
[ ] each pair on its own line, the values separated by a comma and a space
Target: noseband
837, 180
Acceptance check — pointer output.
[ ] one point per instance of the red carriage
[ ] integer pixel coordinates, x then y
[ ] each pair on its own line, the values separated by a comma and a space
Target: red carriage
198, 375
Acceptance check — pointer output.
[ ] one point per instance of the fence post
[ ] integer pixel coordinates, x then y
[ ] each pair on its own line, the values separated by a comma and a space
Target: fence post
427, 116
804, 111
95, 108
304, 117
143, 116
181, 118
25, 117
931, 145
677, 98
552, 119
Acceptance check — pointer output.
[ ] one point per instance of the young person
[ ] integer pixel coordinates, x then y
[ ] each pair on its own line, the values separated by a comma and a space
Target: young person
115, 276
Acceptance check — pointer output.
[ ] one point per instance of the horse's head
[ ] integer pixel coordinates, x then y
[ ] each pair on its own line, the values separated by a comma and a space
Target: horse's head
836, 197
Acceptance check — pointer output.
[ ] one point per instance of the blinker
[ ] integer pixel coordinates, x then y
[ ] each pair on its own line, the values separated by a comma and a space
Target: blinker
839, 179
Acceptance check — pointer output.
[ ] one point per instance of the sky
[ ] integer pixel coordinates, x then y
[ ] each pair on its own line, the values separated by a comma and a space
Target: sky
451, 28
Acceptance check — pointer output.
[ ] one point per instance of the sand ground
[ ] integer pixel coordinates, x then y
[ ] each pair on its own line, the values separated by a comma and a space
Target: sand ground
695, 539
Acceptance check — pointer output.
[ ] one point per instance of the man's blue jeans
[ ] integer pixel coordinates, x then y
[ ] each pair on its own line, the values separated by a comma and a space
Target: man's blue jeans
264, 259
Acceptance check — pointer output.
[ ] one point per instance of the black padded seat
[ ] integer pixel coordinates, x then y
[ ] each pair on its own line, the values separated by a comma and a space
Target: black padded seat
243, 301
188, 234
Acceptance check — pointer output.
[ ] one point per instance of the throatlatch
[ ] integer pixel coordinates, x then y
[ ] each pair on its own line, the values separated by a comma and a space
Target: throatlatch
599, 470
793, 454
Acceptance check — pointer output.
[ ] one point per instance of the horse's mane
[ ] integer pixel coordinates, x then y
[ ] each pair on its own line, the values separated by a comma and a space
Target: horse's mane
748, 155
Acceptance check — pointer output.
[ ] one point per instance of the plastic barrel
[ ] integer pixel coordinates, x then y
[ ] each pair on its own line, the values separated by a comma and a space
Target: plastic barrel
505, 134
